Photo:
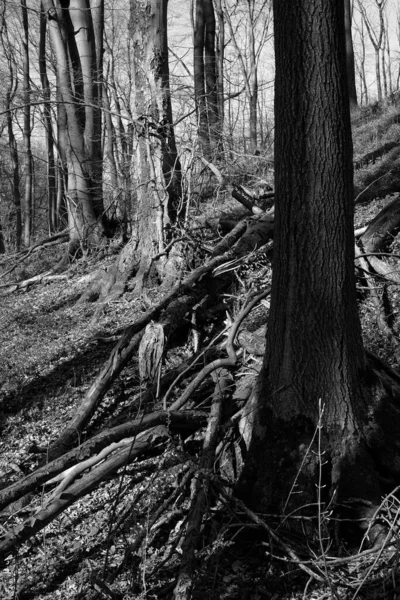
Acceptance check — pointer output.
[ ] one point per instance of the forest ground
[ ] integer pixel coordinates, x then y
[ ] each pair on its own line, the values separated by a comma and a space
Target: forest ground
50, 355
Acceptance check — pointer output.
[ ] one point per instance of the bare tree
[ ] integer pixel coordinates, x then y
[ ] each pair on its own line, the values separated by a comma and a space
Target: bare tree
351, 76
46, 111
11, 90
255, 13
28, 166
376, 36
360, 65
205, 75
76, 87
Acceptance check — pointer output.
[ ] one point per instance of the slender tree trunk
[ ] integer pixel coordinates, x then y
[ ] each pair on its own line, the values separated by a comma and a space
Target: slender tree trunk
113, 205
378, 74
2, 244
199, 76
210, 70
220, 53
51, 168
62, 162
253, 98
27, 129
15, 173
363, 77
351, 75
389, 59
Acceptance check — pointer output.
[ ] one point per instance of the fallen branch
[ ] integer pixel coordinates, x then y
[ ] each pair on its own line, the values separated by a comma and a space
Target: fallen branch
129, 342
220, 362
176, 420
23, 285
81, 488
200, 486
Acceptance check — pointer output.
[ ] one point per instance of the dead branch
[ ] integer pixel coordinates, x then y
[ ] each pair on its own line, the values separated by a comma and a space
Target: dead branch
24, 285
176, 420
221, 362
80, 488
200, 488
130, 340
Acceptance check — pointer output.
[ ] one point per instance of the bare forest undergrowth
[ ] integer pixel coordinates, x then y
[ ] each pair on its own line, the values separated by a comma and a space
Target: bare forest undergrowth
121, 432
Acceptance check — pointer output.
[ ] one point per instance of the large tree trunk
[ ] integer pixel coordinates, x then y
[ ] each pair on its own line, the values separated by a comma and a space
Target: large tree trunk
314, 382
156, 172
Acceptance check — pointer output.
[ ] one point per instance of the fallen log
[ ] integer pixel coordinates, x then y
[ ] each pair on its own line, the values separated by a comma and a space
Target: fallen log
181, 421
80, 488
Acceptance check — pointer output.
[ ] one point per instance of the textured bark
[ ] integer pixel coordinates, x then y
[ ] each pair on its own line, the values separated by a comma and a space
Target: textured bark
314, 372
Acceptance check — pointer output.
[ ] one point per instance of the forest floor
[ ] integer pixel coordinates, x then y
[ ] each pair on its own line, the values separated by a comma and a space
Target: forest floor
49, 357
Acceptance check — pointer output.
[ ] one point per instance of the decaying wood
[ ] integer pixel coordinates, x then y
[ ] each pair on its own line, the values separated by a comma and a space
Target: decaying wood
236, 243
151, 351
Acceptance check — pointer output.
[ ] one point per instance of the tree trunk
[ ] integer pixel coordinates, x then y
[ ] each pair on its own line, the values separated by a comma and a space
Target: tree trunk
313, 394
156, 172
15, 173
51, 168
253, 80
220, 52
28, 166
84, 224
351, 76
199, 77
210, 70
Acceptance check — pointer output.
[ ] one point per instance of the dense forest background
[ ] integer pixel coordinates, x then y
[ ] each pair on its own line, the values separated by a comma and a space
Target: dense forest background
199, 375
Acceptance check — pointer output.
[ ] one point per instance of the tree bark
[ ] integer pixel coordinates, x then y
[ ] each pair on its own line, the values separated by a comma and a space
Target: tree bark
314, 382
156, 172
